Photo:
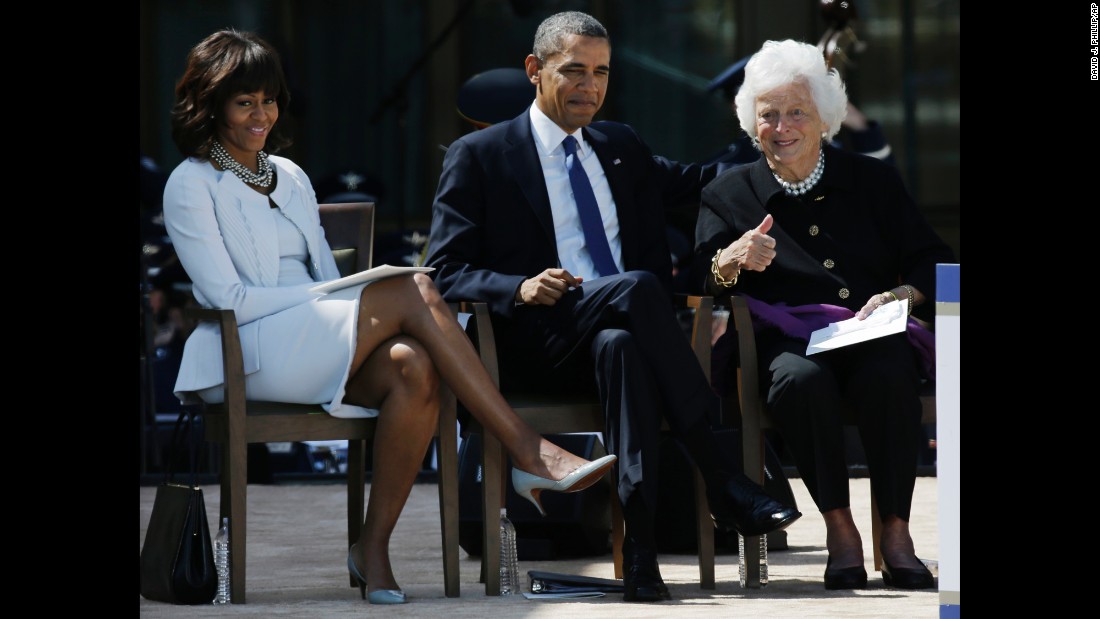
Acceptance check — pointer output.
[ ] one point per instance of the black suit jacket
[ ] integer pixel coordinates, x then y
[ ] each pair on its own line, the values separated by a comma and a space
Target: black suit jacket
857, 233
492, 226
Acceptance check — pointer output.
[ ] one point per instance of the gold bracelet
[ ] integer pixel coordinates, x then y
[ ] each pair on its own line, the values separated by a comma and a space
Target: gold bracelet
909, 291
891, 293
718, 279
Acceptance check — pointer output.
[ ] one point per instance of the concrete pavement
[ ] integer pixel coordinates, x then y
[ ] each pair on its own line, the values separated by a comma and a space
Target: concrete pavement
297, 553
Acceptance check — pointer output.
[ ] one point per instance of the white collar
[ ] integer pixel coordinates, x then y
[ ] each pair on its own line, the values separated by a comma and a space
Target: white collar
548, 135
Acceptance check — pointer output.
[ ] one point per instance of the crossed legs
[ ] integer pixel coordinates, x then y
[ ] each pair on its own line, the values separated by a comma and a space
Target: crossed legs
400, 375
407, 340
412, 306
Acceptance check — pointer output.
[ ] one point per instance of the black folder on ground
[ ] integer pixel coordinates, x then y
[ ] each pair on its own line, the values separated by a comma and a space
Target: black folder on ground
552, 582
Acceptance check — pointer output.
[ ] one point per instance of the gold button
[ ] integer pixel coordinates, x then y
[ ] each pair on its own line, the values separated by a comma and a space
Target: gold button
814, 230
829, 263
844, 293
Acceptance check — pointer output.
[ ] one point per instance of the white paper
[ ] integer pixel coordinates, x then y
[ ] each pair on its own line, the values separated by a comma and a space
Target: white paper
886, 320
563, 596
378, 272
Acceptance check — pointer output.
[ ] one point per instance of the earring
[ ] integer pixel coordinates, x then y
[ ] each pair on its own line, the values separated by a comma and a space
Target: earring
824, 135
212, 118
756, 141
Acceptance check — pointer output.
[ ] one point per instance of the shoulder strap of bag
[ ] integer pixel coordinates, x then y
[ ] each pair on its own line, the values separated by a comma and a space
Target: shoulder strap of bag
169, 473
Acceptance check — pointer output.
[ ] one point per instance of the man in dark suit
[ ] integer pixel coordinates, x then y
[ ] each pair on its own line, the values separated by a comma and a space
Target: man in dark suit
574, 302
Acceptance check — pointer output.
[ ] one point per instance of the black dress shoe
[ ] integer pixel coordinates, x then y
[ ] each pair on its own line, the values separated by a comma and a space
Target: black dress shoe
854, 577
907, 577
641, 577
738, 503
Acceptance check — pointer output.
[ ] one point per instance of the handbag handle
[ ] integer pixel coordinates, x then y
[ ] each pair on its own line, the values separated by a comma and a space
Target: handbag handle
188, 414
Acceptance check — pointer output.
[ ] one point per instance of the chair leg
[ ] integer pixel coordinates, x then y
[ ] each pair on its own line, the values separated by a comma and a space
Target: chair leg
753, 447
876, 532
234, 506
704, 527
492, 480
618, 526
357, 464
448, 492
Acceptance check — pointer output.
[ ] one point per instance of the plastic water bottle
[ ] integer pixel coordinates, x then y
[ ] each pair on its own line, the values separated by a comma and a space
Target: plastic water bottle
509, 564
741, 560
221, 561
763, 560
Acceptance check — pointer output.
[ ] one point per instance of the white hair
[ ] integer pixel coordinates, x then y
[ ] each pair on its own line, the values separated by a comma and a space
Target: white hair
780, 63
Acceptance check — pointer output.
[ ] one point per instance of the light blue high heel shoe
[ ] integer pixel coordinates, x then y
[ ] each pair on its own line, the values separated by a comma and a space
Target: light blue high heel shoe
378, 596
386, 596
531, 486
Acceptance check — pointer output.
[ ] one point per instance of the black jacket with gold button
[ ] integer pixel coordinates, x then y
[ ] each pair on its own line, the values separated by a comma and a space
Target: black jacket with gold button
854, 235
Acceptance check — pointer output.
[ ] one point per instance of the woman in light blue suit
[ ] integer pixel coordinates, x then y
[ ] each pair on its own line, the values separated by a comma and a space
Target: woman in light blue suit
246, 228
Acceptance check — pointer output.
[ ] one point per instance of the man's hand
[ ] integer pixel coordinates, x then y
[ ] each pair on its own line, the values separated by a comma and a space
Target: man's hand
546, 287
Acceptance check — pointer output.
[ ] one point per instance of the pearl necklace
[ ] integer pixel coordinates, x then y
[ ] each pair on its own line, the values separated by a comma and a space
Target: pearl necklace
262, 178
801, 187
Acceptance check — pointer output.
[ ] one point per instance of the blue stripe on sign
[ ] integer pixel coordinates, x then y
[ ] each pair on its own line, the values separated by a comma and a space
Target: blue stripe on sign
949, 611
947, 283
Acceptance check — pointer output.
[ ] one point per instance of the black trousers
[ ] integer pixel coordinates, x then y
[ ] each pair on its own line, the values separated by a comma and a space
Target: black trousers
811, 398
622, 331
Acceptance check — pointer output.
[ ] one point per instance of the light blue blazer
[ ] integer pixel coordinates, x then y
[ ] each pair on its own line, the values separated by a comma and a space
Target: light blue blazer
225, 238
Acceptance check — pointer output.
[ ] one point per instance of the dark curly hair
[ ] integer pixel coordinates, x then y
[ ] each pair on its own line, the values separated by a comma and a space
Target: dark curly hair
222, 66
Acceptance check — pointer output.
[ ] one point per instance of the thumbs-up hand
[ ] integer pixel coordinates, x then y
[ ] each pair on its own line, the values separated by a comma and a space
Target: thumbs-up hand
759, 248
766, 224
754, 251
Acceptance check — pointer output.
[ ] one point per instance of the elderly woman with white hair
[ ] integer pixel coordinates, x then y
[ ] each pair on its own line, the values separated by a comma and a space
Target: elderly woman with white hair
811, 234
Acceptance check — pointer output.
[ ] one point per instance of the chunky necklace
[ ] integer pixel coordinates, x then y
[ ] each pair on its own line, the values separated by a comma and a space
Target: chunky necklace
228, 163
801, 187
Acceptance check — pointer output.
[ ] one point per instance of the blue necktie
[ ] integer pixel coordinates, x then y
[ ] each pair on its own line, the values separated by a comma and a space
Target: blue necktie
591, 221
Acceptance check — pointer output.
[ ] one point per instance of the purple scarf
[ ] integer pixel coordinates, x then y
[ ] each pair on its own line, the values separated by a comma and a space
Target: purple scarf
802, 320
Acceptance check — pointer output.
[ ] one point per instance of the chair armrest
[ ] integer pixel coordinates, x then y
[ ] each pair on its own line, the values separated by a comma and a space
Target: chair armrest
748, 375
486, 340
232, 356
701, 326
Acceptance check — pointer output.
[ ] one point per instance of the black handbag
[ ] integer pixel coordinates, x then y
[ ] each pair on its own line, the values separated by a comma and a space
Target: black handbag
553, 582
177, 558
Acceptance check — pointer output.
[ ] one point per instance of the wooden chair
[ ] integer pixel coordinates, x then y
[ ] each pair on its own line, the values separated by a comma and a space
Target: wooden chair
238, 422
561, 414
754, 421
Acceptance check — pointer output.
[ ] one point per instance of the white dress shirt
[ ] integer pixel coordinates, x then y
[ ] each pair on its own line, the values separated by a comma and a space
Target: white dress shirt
572, 251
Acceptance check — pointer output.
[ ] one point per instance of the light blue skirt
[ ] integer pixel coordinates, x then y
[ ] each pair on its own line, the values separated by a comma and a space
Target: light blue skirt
305, 355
